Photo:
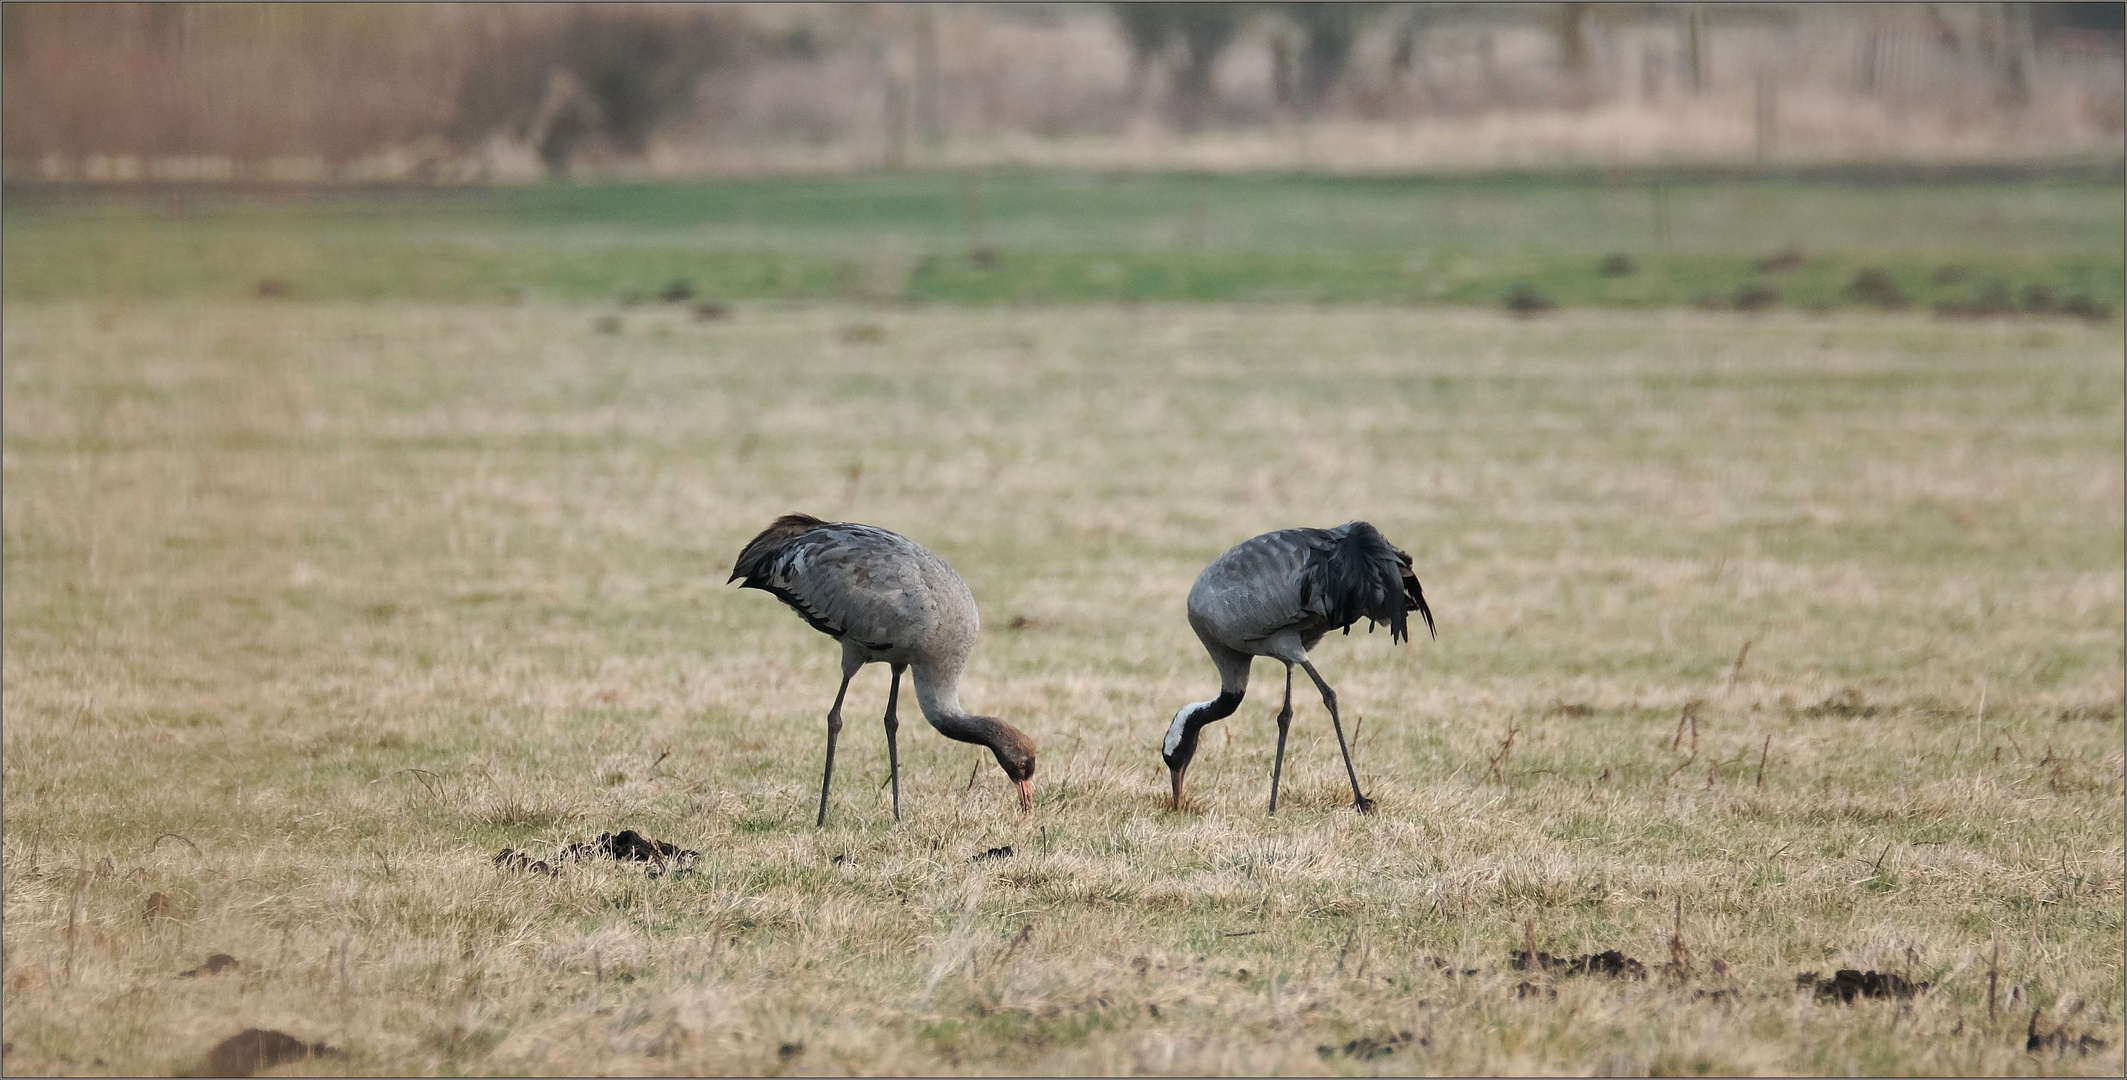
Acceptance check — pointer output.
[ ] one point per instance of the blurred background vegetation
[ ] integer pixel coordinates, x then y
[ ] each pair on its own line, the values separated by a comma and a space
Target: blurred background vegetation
1961, 158
460, 92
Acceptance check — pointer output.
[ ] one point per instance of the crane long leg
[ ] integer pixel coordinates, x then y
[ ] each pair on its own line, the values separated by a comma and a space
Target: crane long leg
1277, 764
1329, 698
834, 728
893, 724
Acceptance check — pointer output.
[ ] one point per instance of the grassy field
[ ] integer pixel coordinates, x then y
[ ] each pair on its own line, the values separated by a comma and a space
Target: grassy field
313, 606
1942, 239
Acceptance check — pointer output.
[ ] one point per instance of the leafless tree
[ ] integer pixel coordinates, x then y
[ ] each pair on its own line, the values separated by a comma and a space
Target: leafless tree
1328, 32
1189, 37
610, 75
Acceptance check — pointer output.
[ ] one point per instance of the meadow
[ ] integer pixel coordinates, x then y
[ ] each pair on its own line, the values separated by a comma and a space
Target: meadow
1941, 237
1768, 644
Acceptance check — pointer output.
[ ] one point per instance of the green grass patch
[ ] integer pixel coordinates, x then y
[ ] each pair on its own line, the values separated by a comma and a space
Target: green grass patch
1796, 242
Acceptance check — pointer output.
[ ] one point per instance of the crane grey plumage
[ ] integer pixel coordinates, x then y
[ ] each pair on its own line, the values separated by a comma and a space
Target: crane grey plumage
1277, 595
887, 600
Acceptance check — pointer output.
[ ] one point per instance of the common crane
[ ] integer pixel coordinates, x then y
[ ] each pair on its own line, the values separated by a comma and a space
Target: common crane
1276, 595
890, 601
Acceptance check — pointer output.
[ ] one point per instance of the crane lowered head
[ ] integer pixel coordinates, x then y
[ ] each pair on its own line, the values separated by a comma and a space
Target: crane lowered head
1015, 755
1189, 720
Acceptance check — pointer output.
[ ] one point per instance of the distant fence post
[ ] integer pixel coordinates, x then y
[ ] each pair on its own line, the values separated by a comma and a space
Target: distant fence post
896, 123
930, 126
2016, 55
971, 214
1868, 67
1695, 47
1658, 193
894, 105
1766, 115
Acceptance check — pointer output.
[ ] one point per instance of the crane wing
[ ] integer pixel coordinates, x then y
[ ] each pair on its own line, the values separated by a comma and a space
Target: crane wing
1311, 580
845, 580
1354, 573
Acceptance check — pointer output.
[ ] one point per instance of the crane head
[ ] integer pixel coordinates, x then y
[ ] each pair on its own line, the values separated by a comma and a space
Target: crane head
1180, 746
1015, 755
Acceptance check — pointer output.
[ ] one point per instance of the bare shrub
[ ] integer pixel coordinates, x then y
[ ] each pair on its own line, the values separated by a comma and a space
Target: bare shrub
610, 75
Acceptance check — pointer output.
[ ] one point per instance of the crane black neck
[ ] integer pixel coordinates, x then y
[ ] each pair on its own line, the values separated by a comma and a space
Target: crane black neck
1181, 741
1218, 708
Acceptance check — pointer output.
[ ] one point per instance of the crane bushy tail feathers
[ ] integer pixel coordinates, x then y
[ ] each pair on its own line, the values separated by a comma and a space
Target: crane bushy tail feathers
1360, 575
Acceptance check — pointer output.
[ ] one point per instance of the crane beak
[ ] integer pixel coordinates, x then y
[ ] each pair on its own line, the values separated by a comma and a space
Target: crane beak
1026, 794
1176, 775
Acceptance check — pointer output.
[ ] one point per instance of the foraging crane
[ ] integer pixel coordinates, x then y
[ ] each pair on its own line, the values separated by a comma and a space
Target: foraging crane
887, 600
1275, 596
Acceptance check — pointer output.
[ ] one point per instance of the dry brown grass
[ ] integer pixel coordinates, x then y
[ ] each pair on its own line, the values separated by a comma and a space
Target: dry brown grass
348, 597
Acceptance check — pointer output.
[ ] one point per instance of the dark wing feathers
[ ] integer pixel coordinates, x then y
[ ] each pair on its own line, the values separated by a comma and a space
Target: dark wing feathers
1414, 593
806, 563
1354, 573
761, 551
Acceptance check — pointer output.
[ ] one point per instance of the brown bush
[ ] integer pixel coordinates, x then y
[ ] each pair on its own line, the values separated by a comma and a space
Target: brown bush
613, 74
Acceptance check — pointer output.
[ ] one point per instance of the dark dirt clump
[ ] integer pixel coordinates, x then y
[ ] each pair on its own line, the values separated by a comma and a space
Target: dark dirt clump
252, 1049
1525, 300
1846, 704
1847, 984
2085, 306
711, 311
214, 965
1611, 962
1608, 962
274, 289
1004, 852
861, 334
159, 906
677, 292
2102, 712
1617, 265
2058, 1039
2039, 299
1877, 289
512, 859
1370, 1048
1780, 262
626, 845
1448, 969
1529, 989
1755, 297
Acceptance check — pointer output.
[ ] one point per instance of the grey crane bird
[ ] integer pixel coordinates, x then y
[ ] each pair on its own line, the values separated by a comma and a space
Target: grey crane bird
1276, 595
889, 601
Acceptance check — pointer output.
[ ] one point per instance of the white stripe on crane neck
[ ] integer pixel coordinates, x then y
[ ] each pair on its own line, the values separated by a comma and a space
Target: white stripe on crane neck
1181, 723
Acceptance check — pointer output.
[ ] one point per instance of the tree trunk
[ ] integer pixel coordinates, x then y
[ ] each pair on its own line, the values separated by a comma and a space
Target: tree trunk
1695, 47
930, 125
1766, 116
1573, 38
2016, 55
